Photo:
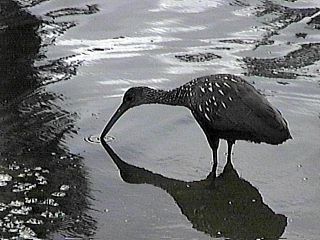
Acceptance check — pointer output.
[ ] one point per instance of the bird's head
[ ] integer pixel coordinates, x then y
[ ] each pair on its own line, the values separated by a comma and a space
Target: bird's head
134, 96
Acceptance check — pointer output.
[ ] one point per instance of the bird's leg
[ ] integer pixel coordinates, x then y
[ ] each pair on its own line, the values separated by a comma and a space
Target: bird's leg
214, 144
230, 144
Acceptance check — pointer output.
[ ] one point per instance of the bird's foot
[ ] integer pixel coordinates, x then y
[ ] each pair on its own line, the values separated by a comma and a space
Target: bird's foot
212, 176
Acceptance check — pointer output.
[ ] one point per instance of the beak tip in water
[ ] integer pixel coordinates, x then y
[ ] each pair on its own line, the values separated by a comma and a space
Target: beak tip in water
104, 134
112, 121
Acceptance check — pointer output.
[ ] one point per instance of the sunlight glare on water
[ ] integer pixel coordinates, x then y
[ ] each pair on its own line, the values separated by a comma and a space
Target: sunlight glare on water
187, 6
123, 47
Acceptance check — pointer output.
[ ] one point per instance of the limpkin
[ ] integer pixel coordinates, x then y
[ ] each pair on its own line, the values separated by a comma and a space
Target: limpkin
225, 106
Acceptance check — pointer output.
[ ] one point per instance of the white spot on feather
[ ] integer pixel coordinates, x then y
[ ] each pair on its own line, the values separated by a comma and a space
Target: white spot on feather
202, 89
227, 85
233, 80
213, 98
221, 92
230, 98
217, 84
208, 109
223, 104
225, 77
207, 117
200, 108
210, 89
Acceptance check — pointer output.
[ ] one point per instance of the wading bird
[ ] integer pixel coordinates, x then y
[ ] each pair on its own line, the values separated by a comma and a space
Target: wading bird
225, 106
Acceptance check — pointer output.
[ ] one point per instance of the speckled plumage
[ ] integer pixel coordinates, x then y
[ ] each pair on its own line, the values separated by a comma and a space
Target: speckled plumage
233, 109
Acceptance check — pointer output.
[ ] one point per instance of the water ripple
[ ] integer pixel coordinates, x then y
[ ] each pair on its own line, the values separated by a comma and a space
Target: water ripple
96, 140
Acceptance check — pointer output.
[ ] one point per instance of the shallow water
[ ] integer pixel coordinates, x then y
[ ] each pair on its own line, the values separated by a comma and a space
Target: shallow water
64, 67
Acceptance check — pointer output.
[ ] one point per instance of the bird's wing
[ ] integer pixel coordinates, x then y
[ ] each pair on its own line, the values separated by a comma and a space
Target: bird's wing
236, 106
260, 107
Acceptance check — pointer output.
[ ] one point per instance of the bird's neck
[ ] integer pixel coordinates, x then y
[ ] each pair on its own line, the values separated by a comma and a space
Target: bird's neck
170, 97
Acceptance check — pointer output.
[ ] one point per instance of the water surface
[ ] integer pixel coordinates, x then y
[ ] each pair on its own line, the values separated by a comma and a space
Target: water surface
64, 67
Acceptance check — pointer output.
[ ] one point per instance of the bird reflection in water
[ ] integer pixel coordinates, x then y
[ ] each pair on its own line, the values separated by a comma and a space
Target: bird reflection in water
227, 206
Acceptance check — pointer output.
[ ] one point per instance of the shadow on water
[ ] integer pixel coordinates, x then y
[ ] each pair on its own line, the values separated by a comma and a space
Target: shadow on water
284, 67
228, 206
44, 188
275, 18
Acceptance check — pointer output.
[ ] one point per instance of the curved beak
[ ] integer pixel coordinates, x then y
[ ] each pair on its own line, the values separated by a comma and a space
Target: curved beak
121, 110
